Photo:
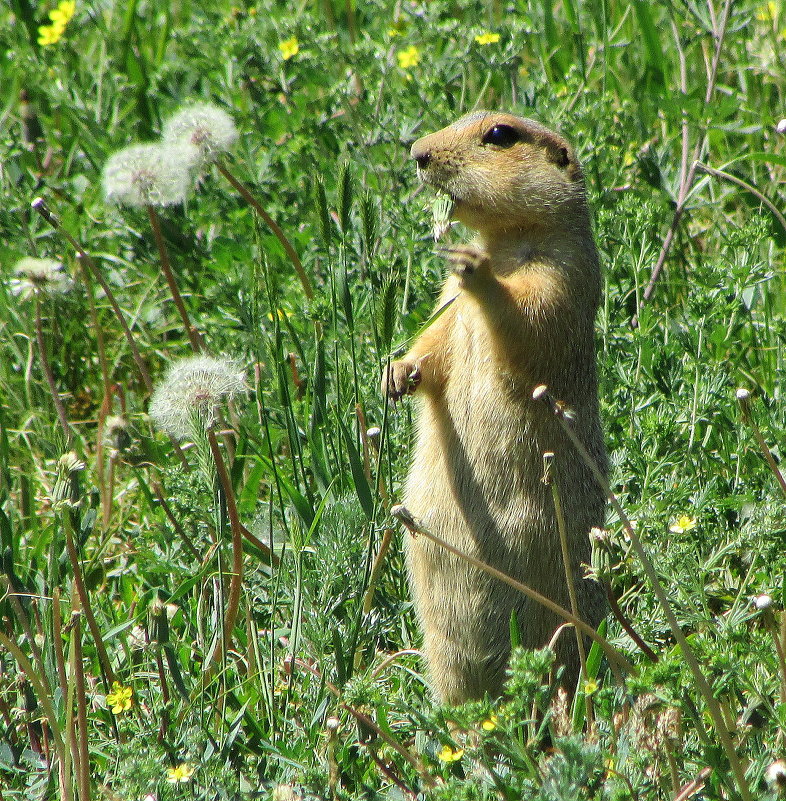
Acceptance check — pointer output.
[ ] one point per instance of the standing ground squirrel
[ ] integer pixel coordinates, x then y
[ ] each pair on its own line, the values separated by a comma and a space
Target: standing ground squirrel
526, 294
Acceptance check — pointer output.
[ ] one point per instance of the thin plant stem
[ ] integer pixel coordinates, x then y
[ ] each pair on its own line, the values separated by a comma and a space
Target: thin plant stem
100, 342
77, 667
41, 207
412, 759
50, 378
193, 335
235, 583
158, 491
41, 692
274, 227
743, 398
66, 692
107, 673
548, 459
376, 569
619, 616
747, 187
616, 659
541, 393
687, 173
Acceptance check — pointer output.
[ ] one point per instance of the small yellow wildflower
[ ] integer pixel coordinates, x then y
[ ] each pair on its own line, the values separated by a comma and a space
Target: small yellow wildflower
408, 58
180, 774
683, 523
289, 47
768, 12
487, 38
49, 34
447, 754
119, 700
490, 724
64, 12
590, 687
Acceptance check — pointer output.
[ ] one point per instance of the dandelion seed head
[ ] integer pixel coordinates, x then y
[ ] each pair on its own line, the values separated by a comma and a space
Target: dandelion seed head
147, 175
205, 127
781, 126
762, 603
742, 394
39, 276
191, 392
776, 775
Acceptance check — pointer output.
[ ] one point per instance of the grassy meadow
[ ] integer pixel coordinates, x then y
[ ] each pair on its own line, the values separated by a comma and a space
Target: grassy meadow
202, 589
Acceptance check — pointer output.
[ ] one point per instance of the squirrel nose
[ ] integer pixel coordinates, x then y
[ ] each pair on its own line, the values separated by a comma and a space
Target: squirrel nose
421, 153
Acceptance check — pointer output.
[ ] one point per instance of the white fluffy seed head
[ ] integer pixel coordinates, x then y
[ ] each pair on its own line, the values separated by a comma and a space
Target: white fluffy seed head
762, 603
781, 126
205, 128
147, 175
189, 396
776, 776
39, 276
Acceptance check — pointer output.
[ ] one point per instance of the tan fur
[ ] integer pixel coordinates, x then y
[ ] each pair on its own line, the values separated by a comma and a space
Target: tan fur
526, 293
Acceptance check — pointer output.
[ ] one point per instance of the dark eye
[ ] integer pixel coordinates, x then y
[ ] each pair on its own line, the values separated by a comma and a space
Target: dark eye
501, 136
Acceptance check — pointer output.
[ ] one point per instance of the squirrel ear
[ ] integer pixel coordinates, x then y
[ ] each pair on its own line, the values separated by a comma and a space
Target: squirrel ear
560, 156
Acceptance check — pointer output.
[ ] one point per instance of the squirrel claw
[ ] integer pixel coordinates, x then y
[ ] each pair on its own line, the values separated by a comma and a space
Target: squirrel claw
401, 378
466, 260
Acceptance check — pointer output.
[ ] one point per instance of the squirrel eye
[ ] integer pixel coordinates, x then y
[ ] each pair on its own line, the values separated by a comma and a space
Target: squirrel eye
501, 136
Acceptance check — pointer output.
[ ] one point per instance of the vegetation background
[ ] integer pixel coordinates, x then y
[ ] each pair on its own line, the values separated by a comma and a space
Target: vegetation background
130, 667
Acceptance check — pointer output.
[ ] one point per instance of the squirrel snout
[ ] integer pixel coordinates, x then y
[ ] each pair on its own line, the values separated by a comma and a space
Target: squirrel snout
421, 154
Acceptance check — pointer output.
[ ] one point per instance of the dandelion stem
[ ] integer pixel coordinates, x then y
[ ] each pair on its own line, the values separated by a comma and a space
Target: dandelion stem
107, 673
193, 335
376, 569
402, 514
41, 207
619, 616
743, 398
233, 603
77, 668
280, 235
50, 378
548, 459
41, 693
737, 767
159, 493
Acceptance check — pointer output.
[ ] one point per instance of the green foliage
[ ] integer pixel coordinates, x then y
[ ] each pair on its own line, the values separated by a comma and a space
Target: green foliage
117, 564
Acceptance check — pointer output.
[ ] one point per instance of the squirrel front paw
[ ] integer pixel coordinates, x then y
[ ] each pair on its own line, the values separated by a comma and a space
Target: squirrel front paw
467, 262
401, 378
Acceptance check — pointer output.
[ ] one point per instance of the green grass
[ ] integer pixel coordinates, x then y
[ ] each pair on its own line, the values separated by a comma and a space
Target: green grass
310, 694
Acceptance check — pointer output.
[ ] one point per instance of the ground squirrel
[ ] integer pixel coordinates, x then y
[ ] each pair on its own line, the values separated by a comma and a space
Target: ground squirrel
525, 297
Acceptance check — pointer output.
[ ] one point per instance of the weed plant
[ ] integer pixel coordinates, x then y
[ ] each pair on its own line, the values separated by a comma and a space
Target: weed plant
202, 593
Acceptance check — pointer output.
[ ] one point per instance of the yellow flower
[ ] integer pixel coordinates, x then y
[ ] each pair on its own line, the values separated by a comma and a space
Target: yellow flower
180, 774
289, 47
447, 754
487, 38
683, 524
590, 687
408, 58
64, 12
490, 724
119, 700
768, 12
49, 34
